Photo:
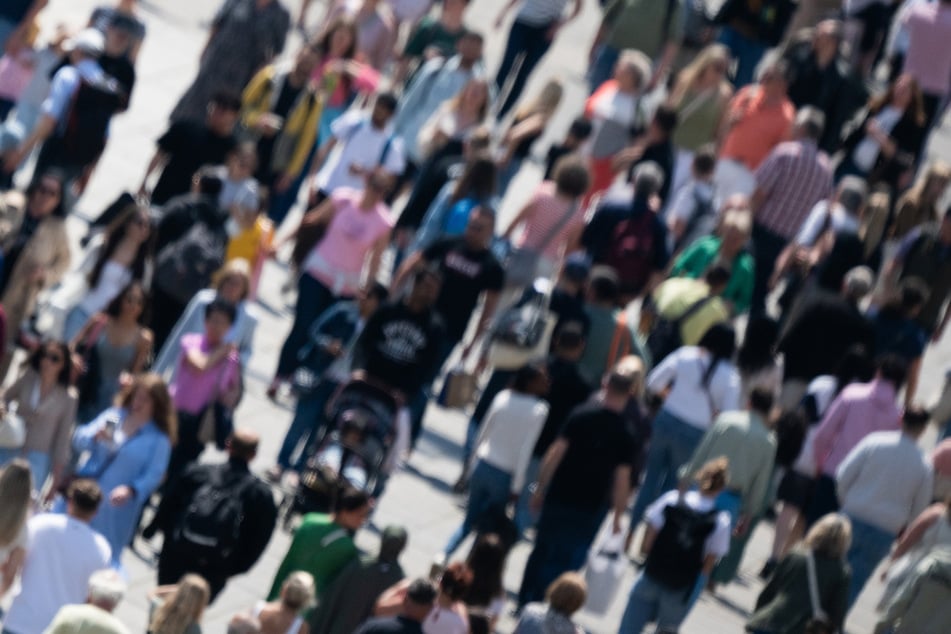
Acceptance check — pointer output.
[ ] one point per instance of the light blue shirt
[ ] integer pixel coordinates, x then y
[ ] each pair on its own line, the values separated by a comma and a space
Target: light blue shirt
65, 84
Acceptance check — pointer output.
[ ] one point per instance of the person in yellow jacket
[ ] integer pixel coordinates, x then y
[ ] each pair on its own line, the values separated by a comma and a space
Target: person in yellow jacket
281, 108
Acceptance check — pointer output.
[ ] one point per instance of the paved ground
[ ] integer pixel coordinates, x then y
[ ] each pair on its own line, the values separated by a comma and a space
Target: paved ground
418, 497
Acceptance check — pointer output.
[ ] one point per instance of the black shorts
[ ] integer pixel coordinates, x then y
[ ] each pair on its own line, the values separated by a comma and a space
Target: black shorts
796, 489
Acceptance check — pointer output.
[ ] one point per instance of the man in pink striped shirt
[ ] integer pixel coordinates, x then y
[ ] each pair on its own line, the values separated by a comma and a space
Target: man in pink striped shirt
793, 178
928, 59
860, 409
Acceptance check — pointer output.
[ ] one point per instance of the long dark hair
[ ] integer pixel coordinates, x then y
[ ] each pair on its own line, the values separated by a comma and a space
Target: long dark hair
526, 376
114, 309
65, 372
323, 45
487, 562
720, 342
759, 345
477, 181
115, 234
916, 108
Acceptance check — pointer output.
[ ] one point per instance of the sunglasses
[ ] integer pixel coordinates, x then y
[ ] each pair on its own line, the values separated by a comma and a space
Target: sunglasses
52, 356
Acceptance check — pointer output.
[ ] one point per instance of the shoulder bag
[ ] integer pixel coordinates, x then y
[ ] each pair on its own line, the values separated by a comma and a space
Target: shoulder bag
819, 623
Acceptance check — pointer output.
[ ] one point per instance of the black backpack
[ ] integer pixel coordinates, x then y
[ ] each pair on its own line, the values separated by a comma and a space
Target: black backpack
211, 525
186, 266
87, 123
665, 338
676, 558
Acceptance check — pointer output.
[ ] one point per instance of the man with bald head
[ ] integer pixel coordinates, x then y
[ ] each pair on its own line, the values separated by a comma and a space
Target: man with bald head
217, 519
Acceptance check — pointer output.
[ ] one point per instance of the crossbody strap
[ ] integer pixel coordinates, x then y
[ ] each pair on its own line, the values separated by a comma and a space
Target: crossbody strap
817, 611
558, 226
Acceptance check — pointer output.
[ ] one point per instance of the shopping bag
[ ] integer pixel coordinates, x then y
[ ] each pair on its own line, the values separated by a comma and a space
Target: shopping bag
459, 389
606, 566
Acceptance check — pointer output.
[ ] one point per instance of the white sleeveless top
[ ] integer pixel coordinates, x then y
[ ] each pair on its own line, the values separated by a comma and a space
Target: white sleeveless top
113, 278
293, 629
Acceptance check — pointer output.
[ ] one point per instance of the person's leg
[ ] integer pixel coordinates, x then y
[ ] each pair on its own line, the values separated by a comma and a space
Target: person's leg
658, 464
685, 438
488, 489
524, 517
602, 69
517, 41
870, 545
824, 500
553, 524
312, 298
536, 45
787, 521
642, 606
308, 418
672, 609
39, 467
766, 248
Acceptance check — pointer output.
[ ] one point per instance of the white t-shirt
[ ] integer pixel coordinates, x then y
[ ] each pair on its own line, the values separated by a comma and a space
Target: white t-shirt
718, 543
509, 432
866, 152
817, 222
359, 143
443, 621
823, 390
62, 554
683, 372
540, 12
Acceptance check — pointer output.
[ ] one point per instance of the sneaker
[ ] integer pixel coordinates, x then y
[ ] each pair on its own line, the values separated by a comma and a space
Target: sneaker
439, 564
768, 569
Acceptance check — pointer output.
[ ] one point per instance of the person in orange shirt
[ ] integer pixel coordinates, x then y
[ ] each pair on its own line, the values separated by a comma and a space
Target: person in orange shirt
760, 117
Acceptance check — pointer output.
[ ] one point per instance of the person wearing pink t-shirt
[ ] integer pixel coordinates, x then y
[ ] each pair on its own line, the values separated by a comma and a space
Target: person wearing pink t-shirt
358, 225
928, 58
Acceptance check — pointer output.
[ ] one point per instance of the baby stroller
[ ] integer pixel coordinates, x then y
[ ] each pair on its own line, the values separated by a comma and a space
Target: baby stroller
349, 450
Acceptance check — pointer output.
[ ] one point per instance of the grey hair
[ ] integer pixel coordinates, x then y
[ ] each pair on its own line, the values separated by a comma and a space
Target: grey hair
106, 588
244, 624
637, 62
858, 282
810, 121
648, 179
772, 62
852, 193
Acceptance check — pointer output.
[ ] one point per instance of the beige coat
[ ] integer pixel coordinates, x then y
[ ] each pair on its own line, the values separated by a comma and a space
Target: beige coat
47, 251
49, 425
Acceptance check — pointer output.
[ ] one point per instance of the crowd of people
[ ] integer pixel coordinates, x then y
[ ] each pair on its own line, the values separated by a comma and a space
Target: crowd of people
711, 312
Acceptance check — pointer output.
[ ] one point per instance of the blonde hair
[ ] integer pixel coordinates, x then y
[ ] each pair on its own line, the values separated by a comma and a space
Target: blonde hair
567, 594
545, 102
713, 476
739, 219
831, 536
632, 367
183, 608
298, 591
16, 484
692, 72
238, 267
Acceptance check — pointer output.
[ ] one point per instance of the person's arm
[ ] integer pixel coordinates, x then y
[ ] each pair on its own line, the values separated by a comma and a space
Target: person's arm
62, 439
620, 494
305, 142
202, 362
611, 11
519, 219
701, 455
662, 376
533, 125
500, 18
665, 62
828, 431
489, 306
376, 254
10, 569
256, 530
390, 602
177, 497
142, 351
916, 530
550, 462
159, 160
322, 153
41, 131
533, 427
149, 479
410, 265
911, 384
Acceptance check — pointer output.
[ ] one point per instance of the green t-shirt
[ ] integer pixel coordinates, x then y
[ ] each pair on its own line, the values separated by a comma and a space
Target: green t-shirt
699, 256
431, 32
637, 24
321, 548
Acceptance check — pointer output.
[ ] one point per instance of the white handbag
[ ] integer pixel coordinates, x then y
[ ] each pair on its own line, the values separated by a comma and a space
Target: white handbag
12, 429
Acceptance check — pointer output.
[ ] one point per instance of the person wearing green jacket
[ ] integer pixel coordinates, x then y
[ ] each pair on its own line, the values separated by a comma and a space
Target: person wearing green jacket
323, 544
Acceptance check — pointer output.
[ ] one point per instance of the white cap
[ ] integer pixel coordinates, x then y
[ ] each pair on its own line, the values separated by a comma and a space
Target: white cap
89, 41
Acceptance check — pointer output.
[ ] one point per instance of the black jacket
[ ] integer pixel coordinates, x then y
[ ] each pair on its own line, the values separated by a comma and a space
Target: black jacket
260, 512
181, 212
908, 134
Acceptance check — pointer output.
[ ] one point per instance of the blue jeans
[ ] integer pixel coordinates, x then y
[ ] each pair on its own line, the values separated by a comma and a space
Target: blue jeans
419, 403
530, 41
313, 298
507, 174
309, 418
39, 464
649, 602
747, 53
488, 490
602, 69
766, 248
564, 536
870, 545
672, 444
75, 320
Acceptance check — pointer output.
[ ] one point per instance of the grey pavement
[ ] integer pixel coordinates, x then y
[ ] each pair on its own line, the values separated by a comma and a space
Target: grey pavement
417, 497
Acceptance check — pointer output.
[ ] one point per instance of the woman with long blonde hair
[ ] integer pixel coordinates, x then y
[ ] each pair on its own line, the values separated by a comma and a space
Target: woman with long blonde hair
16, 485
528, 125
701, 95
179, 608
456, 117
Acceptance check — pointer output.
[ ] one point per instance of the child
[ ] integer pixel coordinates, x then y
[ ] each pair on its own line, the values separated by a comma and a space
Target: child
238, 186
578, 133
250, 237
692, 213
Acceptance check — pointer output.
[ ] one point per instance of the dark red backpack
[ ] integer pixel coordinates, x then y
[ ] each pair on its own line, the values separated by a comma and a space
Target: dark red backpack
631, 251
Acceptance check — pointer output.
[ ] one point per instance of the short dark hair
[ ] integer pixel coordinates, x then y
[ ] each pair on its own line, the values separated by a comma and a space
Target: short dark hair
222, 307
85, 495
720, 340
761, 399
209, 181
526, 375
571, 176
226, 100
618, 383
893, 369
351, 499
705, 160
388, 100
569, 338
580, 128
455, 581
604, 284
915, 418
666, 118
717, 275
421, 592
914, 292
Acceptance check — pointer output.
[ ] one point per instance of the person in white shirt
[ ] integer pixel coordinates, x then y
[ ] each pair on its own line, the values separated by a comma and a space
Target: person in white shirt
883, 484
63, 552
361, 142
701, 381
504, 448
665, 589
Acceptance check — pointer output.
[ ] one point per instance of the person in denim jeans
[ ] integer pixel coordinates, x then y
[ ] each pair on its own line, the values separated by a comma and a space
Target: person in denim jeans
327, 359
586, 471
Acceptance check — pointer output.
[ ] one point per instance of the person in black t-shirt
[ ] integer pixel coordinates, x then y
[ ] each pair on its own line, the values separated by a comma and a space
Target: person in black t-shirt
400, 343
585, 472
420, 596
185, 147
